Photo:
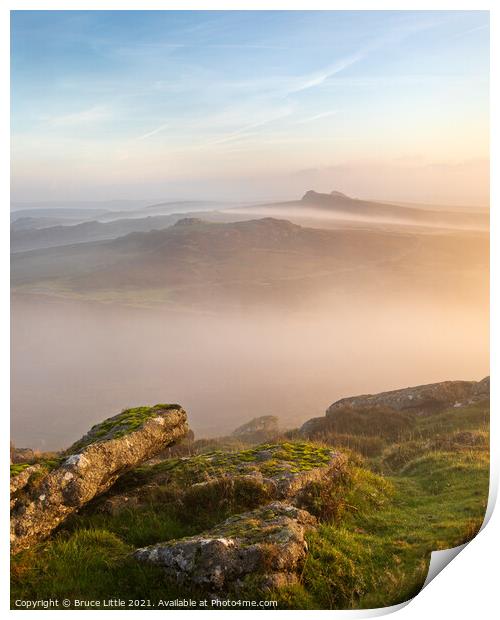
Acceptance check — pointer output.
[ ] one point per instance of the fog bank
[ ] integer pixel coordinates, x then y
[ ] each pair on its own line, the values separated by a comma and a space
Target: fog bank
75, 363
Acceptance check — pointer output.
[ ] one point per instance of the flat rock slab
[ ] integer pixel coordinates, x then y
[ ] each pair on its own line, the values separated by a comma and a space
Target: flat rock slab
266, 545
285, 468
282, 470
44, 494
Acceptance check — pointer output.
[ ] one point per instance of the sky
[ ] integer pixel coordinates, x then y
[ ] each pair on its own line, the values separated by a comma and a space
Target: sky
250, 105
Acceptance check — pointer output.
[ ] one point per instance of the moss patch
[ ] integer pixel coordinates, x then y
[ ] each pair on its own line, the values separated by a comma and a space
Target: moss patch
275, 461
120, 425
17, 468
46, 464
375, 554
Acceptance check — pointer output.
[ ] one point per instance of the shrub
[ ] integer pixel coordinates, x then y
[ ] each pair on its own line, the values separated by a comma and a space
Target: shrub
460, 440
221, 498
372, 421
326, 499
399, 455
350, 487
366, 445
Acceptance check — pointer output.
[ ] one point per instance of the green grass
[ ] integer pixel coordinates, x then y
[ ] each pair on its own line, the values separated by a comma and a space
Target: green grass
138, 527
89, 564
380, 557
47, 465
17, 468
272, 460
473, 417
426, 493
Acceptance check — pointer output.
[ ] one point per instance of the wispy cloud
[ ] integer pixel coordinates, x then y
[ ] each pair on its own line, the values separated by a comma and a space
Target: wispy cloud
317, 78
316, 117
83, 117
154, 131
470, 31
248, 129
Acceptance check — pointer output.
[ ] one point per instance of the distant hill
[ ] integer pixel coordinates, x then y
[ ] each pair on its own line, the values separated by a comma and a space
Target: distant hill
106, 211
38, 233
60, 213
255, 260
65, 234
183, 206
37, 228
29, 222
73, 207
344, 207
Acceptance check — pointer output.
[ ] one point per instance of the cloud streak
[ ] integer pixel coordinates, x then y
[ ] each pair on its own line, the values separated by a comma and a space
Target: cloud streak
317, 117
247, 129
317, 78
155, 131
88, 116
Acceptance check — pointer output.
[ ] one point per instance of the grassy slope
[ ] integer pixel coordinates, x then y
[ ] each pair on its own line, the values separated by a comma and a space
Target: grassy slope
376, 555
381, 557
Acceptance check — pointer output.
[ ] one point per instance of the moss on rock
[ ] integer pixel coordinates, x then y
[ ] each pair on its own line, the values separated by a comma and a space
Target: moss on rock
17, 468
45, 494
126, 422
267, 543
226, 483
275, 460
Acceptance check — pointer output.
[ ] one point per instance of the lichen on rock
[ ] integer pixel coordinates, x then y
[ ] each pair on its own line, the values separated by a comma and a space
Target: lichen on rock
120, 425
266, 545
421, 399
396, 411
267, 472
44, 494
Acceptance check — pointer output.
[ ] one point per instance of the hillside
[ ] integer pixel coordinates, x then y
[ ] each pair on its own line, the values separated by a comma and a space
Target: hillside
305, 524
65, 234
254, 261
44, 227
30, 233
335, 207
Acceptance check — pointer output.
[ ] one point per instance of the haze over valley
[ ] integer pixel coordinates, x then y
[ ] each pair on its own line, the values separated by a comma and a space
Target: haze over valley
248, 213
237, 315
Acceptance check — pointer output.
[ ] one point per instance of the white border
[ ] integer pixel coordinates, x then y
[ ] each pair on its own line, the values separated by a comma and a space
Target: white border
468, 587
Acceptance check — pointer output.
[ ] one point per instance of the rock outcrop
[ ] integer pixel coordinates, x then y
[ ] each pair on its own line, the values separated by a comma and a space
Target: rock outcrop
19, 479
326, 199
263, 428
43, 495
21, 455
421, 399
266, 545
395, 411
314, 427
267, 472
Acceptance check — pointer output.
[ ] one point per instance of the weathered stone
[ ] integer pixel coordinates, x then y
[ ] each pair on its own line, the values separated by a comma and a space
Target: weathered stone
420, 399
22, 455
260, 429
314, 426
267, 544
89, 468
20, 480
397, 408
278, 471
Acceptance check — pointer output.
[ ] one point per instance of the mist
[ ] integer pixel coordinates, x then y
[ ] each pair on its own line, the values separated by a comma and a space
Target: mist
75, 363
316, 217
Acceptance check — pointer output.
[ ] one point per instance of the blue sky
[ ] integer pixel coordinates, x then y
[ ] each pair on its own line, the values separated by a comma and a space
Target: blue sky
249, 105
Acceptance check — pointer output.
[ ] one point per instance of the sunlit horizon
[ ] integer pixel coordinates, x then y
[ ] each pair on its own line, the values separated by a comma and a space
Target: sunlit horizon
250, 106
